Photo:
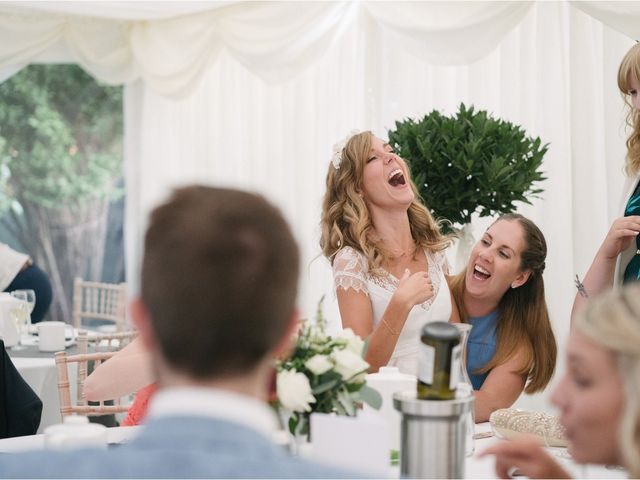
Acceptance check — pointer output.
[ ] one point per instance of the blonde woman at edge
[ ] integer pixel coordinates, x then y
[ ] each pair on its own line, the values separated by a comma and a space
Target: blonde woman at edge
618, 258
386, 250
598, 396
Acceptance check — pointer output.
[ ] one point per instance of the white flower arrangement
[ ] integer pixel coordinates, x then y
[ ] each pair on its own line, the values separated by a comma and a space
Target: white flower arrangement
324, 374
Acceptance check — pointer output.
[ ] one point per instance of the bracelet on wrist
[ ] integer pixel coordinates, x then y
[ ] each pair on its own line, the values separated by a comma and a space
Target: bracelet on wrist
388, 327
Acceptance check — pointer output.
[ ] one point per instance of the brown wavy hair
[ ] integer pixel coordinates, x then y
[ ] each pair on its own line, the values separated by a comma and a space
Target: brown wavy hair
524, 318
630, 68
346, 221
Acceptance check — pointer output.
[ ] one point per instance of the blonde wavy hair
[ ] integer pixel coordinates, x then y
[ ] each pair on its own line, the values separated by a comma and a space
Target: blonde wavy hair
630, 68
612, 320
346, 221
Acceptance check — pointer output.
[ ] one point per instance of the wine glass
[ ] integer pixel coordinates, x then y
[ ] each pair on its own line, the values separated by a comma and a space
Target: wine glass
20, 316
29, 296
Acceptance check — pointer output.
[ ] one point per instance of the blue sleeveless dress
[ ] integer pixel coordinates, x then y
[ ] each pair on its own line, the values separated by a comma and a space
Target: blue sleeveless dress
632, 272
481, 346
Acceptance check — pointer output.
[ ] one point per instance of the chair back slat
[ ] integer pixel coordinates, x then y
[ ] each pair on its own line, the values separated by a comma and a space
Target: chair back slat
99, 301
112, 343
64, 395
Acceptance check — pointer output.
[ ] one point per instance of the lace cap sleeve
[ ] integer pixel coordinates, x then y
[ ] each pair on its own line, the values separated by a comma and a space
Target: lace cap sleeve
439, 261
444, 262
350, 269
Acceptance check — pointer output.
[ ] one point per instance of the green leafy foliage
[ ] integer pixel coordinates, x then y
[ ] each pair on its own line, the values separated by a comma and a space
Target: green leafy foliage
470, 162
60, 136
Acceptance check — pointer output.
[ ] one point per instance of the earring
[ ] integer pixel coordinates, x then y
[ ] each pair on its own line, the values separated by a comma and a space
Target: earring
513, 285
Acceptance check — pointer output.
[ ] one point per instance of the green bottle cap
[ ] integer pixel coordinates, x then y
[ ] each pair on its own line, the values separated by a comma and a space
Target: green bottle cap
441, 331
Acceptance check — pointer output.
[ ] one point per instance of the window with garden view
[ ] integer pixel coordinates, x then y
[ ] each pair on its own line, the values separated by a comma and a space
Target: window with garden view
61, 183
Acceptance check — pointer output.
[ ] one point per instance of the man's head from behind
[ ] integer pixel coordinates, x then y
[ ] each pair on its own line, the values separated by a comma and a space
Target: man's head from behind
219, 280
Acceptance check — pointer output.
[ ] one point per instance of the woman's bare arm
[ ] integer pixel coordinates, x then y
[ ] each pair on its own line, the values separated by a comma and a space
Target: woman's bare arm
501, 388
599, 277
357, 313
126, 372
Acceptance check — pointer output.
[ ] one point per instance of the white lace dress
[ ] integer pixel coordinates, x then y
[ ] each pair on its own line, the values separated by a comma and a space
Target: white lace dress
351, 270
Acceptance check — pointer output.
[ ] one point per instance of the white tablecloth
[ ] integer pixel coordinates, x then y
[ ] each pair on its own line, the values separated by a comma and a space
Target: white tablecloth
474, 467
35, 442
484, 467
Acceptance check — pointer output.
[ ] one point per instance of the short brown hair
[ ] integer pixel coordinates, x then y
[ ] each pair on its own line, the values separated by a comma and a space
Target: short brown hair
219, 277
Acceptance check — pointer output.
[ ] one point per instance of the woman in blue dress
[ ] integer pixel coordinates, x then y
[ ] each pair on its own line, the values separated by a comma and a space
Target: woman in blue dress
618, 258
511, 346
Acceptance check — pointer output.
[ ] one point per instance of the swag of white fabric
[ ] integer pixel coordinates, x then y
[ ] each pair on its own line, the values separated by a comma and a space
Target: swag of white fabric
171, 44
621, 16
275, 40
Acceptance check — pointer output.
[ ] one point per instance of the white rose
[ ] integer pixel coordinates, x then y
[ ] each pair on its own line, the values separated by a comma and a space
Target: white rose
319, 364
294, 391
354, 342
349, 364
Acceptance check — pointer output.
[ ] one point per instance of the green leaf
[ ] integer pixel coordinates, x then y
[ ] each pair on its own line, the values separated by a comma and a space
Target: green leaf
347, 403
293, 423
327, 385
371, 397
469, 162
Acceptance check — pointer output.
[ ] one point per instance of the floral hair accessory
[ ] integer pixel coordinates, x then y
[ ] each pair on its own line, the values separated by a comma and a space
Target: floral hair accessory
336, 158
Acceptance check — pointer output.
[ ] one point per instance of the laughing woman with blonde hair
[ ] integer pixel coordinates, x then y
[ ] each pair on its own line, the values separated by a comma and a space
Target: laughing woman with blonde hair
386, 250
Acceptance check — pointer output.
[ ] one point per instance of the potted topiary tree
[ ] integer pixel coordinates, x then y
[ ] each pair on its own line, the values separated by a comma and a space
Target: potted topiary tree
469, 163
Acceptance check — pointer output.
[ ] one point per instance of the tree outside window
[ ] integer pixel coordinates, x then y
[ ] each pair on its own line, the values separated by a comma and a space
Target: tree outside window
60, 170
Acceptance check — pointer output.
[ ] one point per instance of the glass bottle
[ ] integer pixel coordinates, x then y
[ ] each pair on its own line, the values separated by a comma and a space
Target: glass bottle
465, 387
438, 361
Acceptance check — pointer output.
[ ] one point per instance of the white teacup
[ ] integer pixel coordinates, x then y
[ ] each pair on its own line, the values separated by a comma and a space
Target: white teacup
75, 432
51, 336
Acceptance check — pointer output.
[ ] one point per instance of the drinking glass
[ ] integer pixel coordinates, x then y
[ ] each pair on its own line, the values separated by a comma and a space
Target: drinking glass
20, 316
29, 296
465, 387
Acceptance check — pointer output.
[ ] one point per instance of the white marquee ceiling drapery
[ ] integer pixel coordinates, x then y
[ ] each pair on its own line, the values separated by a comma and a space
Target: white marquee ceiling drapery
449, 33
136, 10
276, 40
253, 94
623, 17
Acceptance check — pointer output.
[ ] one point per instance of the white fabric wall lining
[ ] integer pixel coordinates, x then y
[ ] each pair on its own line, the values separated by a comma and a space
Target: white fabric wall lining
276, 138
